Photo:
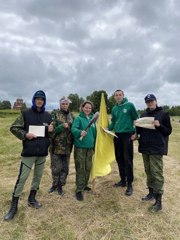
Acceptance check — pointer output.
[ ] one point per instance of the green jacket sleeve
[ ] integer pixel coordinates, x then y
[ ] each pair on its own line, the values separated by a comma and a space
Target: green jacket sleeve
76, 131
17, 128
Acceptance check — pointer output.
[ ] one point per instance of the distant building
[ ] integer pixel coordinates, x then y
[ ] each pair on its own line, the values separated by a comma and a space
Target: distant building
18, 104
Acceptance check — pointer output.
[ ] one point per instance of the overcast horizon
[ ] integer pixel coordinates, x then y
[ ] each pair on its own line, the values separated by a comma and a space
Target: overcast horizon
81, 46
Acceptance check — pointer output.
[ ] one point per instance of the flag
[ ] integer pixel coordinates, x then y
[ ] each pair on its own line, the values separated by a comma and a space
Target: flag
104, 148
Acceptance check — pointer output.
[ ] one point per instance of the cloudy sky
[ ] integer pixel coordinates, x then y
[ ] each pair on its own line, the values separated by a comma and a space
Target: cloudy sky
79, 46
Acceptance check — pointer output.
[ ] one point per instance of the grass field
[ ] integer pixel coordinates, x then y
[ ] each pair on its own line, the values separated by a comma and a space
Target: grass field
108, 215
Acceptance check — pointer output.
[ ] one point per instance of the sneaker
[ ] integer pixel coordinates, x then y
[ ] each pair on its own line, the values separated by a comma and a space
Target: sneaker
120, 184
129, 190
79, 196
87, 189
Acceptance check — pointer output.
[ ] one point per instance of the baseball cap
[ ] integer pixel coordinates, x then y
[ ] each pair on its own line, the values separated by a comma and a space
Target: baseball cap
40, 94
150, 97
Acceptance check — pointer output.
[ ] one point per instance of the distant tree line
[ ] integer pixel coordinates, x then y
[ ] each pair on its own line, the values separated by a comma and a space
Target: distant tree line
7, 105
95, 98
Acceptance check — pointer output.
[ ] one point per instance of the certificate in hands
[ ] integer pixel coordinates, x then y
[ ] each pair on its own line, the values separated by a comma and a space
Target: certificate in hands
39, 131
145, 122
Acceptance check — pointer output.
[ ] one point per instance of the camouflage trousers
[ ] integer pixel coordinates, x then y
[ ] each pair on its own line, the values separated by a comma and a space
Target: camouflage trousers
59, 168
83, 163
153, 165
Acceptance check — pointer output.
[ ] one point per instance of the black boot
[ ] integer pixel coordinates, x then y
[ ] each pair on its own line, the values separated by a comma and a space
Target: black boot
88, 189
32, 202
129, 190
52, 189
60, 190
157, 206
13, 209
79, 196
149, 196
121, 183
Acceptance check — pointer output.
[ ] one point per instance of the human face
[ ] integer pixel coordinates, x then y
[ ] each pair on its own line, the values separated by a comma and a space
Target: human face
151, 104
118, 96
39, 102
64, 105
87, 109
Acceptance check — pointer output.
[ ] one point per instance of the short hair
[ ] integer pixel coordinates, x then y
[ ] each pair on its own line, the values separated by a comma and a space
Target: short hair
119, 90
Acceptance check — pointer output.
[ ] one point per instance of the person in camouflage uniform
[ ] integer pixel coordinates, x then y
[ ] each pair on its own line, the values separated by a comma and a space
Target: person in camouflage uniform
153, 144
61, 145
34, 152
83, 148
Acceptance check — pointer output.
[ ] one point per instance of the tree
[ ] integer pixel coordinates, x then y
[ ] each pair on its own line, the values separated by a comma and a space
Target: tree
111, 103
5, 105
165, 108
76, 101
95, 98
174, 111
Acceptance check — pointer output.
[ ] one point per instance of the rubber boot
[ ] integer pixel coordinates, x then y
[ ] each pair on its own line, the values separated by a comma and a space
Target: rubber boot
12, 211
32, 202
149, 196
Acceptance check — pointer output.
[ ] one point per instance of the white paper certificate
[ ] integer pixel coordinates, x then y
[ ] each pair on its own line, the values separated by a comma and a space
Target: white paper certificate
39, 131
109, 132
145, 122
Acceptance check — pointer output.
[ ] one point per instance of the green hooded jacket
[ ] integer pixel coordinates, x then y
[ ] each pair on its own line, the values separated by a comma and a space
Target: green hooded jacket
79, 124
123, 117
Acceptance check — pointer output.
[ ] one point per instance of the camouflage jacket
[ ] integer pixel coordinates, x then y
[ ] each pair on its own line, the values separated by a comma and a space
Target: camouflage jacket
61, 138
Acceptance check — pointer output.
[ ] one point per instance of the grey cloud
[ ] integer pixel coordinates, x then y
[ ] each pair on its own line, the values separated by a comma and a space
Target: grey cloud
81, 46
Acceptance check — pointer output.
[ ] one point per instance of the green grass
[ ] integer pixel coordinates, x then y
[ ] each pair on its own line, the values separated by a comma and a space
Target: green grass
108, 215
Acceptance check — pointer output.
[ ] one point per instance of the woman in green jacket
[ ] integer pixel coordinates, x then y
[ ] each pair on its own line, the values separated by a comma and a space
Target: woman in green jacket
84, 142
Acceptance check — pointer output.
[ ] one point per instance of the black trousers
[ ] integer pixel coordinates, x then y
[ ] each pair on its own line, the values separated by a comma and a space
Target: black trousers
124, 156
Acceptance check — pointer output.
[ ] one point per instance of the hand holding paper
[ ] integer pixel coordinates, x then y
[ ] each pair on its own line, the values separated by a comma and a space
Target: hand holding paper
145, 122
38, 131
30, 136
109, 132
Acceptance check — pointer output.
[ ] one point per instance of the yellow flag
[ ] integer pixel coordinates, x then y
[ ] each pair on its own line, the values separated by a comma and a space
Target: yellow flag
104, 149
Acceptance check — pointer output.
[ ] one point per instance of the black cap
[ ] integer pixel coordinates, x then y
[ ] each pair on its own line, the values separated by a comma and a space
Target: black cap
150, 97
40, 94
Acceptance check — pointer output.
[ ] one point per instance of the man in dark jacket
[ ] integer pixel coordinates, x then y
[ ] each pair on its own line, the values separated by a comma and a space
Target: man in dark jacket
35, 149
153, 144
